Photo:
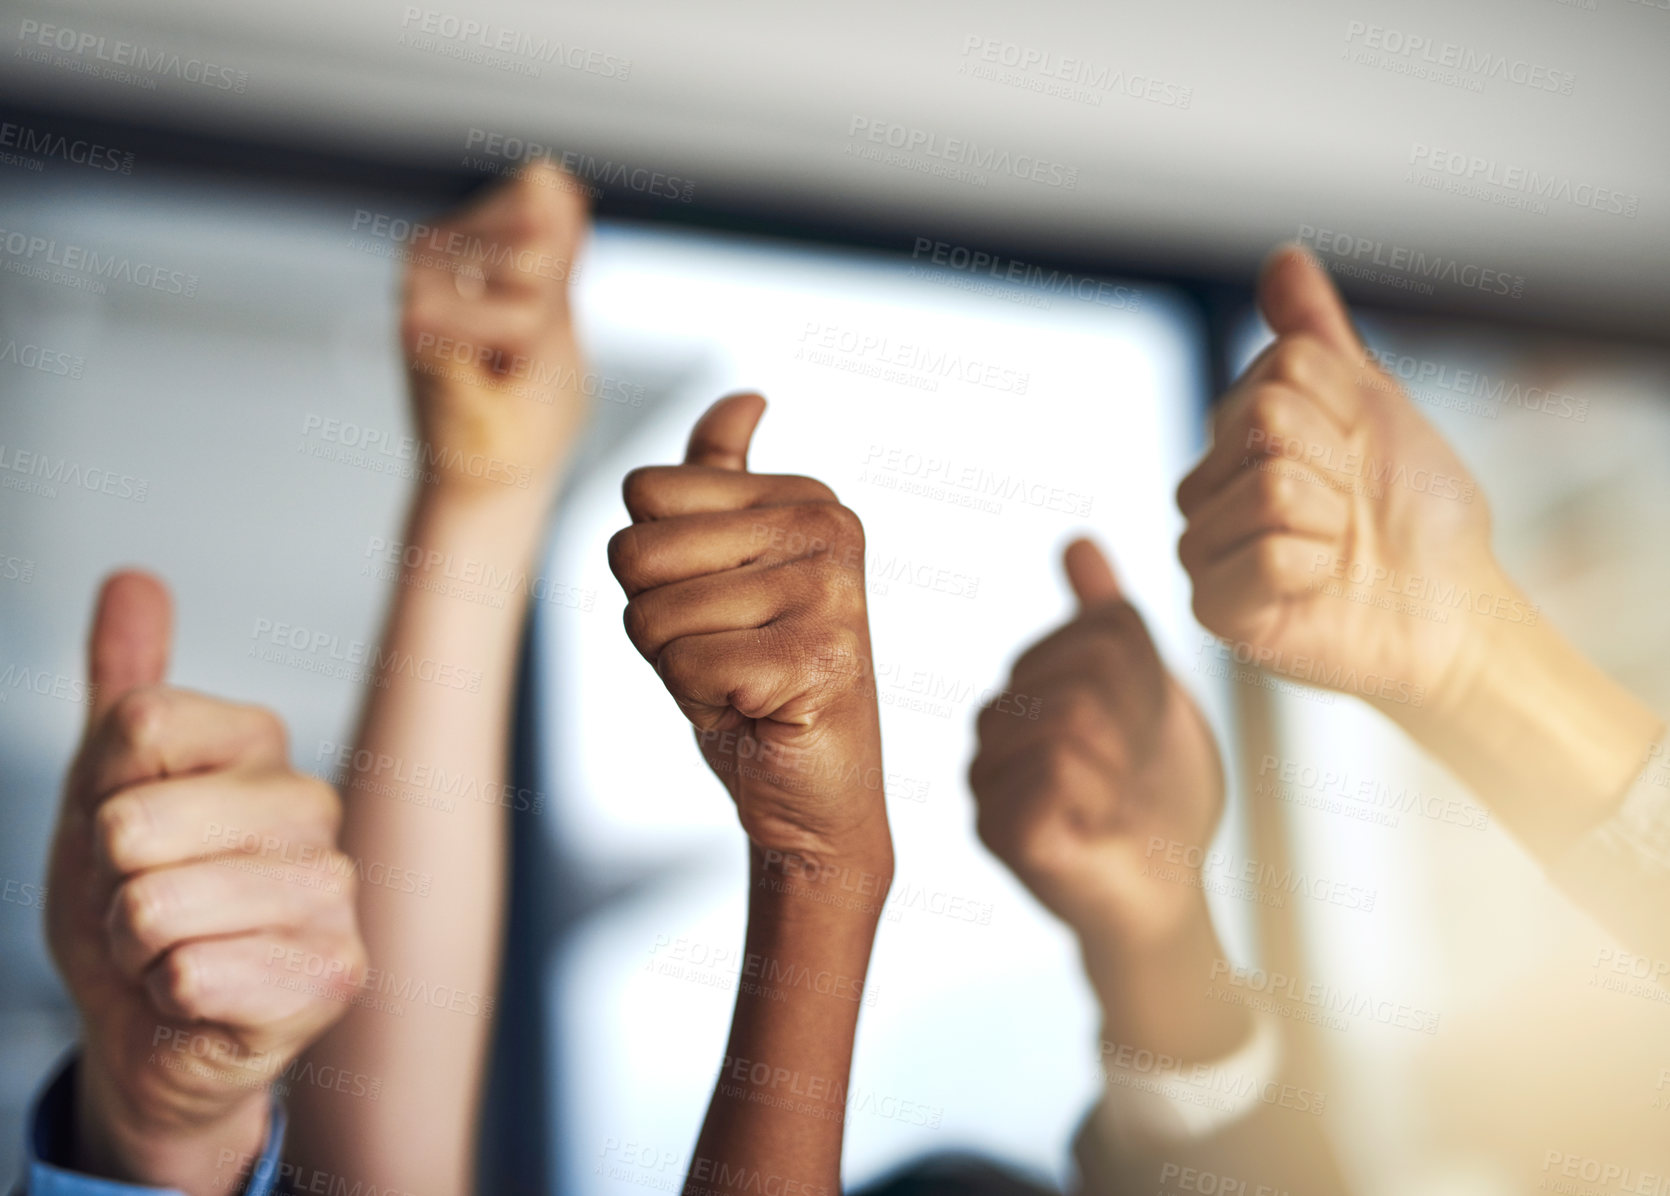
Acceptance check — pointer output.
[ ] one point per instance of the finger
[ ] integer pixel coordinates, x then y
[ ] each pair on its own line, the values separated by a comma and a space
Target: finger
1090, 574
1019, 798
670, 491
540, 203
739, 600
128, 645
1240, 594
154, 911
171, 821
657, 553
1072, 707
1263, 420
1111, 641
755, 673
270, 982
1274, 497
721, 436
1295, 295
160, 732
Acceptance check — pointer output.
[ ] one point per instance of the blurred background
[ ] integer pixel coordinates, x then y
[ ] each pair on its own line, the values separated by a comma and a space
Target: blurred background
1075, 196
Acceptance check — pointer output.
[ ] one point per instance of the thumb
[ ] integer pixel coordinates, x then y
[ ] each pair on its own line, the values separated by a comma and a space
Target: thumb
720, 438
128, 645
1090, 574
1295, 294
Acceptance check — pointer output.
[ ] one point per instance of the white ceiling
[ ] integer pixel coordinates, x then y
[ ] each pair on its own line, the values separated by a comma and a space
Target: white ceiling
757, 101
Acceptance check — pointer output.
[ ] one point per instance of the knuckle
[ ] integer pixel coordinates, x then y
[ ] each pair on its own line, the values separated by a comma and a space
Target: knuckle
1079, 712
140, 716
1296, 360
184, 981
322, 804
119, 829
1270, 559
836, 659
271, 731
635, 619
141, 911
818, 491
623, 553
1277, 489
639, 489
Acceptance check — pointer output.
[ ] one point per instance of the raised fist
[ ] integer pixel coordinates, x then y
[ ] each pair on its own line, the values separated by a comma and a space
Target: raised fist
1117, 761
497, 378
746, 592
191, 868
1333, 536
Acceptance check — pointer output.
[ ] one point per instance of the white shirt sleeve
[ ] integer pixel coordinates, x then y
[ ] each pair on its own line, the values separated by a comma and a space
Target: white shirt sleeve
1620, 871
1149, 1100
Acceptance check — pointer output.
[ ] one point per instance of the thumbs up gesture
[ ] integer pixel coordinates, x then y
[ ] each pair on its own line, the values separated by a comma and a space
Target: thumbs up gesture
746, 593
498, 381
1117, 773
1332, 535
198, 912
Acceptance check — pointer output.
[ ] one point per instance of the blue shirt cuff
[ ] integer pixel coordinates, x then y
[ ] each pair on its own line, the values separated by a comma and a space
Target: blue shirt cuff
47, 1134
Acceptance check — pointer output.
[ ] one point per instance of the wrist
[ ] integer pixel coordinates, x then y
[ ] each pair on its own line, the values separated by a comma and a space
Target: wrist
849, 883
1542, 734
1153, 990
187, 1148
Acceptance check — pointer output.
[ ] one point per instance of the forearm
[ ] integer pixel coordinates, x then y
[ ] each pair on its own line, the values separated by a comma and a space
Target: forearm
1154, 997
778, 1110
1547, 739
425, 795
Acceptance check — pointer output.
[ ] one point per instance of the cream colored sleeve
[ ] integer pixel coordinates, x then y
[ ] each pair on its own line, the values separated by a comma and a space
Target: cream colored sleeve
1620, 871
